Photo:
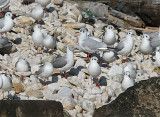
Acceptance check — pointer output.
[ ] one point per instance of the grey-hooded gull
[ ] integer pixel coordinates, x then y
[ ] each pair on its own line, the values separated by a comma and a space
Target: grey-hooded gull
6, 23
127, 81
44, 3
45, 71
38, 36
4, 42
110, 56
49, 42
5, 82
129, 67
37, 13
87, 44
22, 65
64, 63
109, 36
146, 46
125, 47
158, 56
94, 69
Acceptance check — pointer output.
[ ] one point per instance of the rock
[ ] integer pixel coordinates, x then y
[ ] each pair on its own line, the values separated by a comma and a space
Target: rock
80, 62
141, 99
50, 58
35, 93
23, 108
34, 68
23, 21
53, 86
68, 103
78, 109
64, 92
48, 95
88, 105
96, 90
18, 87
76, 81
115, 70
57, 2
74, 25
61, 46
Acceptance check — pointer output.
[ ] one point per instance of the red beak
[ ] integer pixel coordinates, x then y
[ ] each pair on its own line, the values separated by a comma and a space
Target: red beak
150, 37
77, 32
132, 34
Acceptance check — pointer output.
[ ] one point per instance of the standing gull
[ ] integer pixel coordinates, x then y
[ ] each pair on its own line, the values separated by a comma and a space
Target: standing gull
158, 56
49, 42
37, 13
46, 70
145, 46
129, 68
87, 44
6, 23
64, 63
125, 47
44, 3
5, 82
109, 36
94, 69
127, 81
37, 36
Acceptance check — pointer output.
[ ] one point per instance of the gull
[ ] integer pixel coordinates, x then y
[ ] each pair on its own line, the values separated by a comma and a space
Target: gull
5, 82
87, 44
158, 56
129, 68
125, 47
110, 56
22, 65
37, 13
44, 3
64, 63
94, 69
145, 46
45, 71
109, 36
127, 81
6, 23
155, 40
49, 42
4, 42
38, 36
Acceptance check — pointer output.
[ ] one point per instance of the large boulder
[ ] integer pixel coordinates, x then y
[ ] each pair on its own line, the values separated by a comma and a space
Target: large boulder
143, 100
17, 108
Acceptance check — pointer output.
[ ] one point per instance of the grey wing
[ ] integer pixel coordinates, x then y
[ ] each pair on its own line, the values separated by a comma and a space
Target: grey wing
155, 42
1, 23
93, 44
60, 62
40, 70
120, 46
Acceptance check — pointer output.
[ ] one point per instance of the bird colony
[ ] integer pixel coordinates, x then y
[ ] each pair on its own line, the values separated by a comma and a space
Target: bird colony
54, 56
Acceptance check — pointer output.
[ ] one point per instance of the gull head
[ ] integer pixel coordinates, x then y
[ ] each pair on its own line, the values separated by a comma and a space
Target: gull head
146, 36
8, 14
130, 33
109, 27
94, 59
158, 49
127, 73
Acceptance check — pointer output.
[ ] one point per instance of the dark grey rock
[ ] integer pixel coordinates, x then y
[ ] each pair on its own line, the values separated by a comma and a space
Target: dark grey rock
32, 108
141, 100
